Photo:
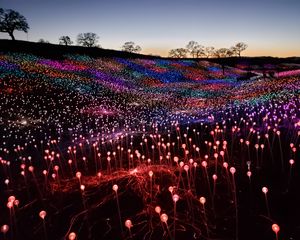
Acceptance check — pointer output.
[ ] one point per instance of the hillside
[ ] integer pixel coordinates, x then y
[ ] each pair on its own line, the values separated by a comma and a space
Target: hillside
93, 139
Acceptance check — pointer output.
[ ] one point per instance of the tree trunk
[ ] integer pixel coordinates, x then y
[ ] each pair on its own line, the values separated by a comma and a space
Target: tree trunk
12, 36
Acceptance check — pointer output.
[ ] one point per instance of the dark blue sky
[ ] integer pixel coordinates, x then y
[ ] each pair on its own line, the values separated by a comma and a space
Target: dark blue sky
269, 27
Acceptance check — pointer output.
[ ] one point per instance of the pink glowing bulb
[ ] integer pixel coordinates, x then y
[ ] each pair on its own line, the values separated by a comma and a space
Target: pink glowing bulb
78, 175
186, 168
225, 165
10, 205
45, 172
150, 174
42, 214
56, 168
204, 164
115, 187
175, 198
202, 200
164, 218
4, 228
232, 170
72, 236
215, 177
128, 224
265, 190
291, 161
275, 228
16, 203
278, 132
11, 198
249, 174
30, 168
157, 209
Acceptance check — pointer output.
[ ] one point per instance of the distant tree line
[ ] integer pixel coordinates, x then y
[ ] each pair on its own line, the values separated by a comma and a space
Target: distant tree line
195, 50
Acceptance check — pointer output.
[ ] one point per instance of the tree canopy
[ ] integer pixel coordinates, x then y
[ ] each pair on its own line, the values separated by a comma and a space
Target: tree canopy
131, 47
178, 53
240, 47
65, 40
88, 39
195, 49
11, 21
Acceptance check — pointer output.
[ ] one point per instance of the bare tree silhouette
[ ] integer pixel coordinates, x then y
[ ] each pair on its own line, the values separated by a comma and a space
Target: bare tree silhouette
209, 51
240, 47
195, 49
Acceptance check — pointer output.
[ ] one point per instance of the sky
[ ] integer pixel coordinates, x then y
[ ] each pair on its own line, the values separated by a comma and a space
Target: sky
269, 27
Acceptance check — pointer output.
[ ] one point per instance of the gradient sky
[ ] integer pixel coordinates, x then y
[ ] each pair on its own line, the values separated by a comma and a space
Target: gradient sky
269, 27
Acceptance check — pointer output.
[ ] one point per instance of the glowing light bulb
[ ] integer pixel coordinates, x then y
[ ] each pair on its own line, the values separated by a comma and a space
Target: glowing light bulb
175, 198
115, 187
232, 170
4, 228
72, 236
11, 199
78, 175
225, 165
157, 209
202, 200
164, 218
42, 214
10, 205
265, 190
128, 223
186, 167
6, 181
275, 228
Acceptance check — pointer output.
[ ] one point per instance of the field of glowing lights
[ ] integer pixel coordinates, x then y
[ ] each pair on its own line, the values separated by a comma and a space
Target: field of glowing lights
120, 148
